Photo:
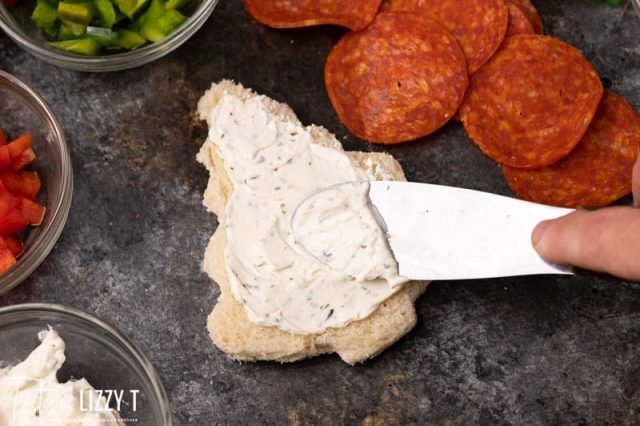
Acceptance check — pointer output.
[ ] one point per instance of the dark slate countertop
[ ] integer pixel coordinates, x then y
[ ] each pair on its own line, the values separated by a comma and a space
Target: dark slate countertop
531, 350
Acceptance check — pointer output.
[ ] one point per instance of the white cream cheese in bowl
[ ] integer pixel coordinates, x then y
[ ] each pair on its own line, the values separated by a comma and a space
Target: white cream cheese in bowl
274, 165
30, 393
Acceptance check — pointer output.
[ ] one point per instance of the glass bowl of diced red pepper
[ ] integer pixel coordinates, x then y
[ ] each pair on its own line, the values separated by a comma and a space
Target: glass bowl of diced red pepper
36, 181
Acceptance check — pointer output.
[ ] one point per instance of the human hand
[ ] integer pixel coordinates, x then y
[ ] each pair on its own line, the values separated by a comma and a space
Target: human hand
605, 240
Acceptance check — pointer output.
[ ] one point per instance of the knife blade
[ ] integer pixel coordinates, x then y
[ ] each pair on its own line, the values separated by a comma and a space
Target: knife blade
444, 233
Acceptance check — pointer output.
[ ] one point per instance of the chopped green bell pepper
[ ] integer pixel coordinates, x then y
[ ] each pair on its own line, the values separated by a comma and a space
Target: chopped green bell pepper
66, 33
157, 29
106, 12
176, 4
76, 29
82, 46
88, 27
78, 13
45, 16
104, 36
128, 39
131, 8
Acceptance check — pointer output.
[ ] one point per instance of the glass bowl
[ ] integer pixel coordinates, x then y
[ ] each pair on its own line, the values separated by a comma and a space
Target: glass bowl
21, 110
95, 351
18, 25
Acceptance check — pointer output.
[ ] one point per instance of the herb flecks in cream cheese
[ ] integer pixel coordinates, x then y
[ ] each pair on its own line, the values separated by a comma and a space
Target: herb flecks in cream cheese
337, 225
274, 165
30, 393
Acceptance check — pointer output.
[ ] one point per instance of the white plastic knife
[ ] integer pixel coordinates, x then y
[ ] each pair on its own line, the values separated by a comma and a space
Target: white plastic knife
444, 233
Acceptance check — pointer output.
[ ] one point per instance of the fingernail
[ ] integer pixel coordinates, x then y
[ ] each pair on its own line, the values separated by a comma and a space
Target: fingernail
538, 231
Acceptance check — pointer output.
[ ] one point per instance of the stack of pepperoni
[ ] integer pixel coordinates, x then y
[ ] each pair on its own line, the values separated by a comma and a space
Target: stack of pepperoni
531, 102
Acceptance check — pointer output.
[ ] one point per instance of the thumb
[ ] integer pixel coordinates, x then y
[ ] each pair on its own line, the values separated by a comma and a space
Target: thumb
636, 183
606, 240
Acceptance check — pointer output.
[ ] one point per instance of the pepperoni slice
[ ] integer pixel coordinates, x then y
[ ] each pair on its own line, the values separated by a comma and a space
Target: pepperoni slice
401, 78
532, 14
532, 103
353, 14
478, 25
597, 172
518, 22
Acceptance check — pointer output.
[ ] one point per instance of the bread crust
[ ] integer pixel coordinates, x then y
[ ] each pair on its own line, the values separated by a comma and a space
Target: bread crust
228, 324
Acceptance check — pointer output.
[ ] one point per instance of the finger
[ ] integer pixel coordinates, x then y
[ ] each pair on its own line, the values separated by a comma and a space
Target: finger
606, 240
636, 183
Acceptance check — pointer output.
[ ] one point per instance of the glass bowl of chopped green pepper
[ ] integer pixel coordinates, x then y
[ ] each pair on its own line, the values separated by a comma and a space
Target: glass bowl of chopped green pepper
102, 35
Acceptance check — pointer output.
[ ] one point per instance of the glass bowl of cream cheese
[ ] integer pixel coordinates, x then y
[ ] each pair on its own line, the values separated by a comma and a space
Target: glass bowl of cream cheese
60, 366
23, 110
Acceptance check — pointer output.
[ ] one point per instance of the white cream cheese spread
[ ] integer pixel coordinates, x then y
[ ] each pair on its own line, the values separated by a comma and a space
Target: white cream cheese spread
337, 226
274, 165
30, 393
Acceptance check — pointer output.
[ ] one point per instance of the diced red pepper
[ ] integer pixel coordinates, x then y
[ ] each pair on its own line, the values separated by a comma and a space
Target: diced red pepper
23, 183
5, 157
18, 190
7, 259
8, 201
13, 221
20, 145
32, 212
23, 160
14, 243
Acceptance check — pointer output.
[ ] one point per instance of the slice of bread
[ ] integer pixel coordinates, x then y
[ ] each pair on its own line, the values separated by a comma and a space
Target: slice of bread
229, 325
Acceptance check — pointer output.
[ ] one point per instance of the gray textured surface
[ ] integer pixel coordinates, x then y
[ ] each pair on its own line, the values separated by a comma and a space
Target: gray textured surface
513, 351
